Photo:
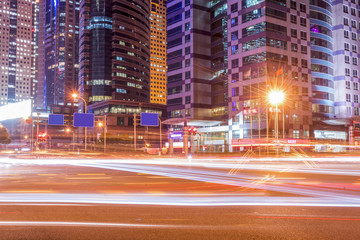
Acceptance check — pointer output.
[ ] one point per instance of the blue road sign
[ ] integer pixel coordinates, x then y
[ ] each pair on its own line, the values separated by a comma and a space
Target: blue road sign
56, 119
149, 119
84, 120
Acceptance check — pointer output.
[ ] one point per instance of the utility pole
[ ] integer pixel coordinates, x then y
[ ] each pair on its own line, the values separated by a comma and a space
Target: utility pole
186, 150
105, 131
171, 142
135, 120
37, 128
160, 138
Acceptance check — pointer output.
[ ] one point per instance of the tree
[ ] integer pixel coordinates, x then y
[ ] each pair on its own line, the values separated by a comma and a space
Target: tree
4, 135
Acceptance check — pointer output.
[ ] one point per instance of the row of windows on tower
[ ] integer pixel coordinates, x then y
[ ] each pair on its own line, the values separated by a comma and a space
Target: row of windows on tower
352, 10
293, 19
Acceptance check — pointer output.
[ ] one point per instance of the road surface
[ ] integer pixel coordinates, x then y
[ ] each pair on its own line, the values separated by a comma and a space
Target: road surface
179, 198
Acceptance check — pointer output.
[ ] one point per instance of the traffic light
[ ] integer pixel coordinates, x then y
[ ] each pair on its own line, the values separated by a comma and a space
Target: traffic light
189, 130
42, 137
192, 131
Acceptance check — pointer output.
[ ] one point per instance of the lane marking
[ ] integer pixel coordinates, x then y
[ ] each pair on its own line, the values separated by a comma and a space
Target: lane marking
150, 183
88, 178
291, 178
309, 183
29, 191
12, 178
310, 218
91, 174
85, 224
45, 204
160, 177
112, 192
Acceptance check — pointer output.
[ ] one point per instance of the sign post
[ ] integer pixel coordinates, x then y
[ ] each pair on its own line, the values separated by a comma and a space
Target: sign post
56, 119
84, 120
151, 119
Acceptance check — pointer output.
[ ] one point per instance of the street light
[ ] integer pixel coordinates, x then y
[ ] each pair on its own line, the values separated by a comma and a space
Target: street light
276, 97
76, 96
104, 125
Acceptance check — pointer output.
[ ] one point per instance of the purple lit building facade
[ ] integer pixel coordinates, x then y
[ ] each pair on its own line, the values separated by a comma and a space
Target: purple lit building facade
224, 56
269, 48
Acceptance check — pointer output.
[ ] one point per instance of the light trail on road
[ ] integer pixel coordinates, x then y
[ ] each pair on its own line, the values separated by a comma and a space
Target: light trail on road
234, 180
208, 163
264, 176
169, 200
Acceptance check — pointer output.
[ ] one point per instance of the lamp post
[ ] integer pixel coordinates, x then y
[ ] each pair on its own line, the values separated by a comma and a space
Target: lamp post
75, 96
105, 130
276, 97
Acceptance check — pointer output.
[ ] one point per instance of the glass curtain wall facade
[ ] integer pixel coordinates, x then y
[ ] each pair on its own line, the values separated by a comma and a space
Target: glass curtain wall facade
58, 57
189, 59
35, 49
346, 35
219, 59
114, 50
322, 61
269, 49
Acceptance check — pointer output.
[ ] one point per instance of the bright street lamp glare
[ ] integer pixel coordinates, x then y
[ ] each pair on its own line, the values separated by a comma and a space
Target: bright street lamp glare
276, 97
74, 95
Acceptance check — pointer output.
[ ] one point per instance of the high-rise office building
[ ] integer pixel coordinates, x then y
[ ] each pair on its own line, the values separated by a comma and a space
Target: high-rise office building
58, 54
224, 56
346, 37
114, 72
189, 59
269, 50
35, 48
115, 50
16, 50
158, 89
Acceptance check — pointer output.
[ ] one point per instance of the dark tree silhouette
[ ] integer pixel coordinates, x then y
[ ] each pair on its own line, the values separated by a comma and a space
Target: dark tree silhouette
4, 135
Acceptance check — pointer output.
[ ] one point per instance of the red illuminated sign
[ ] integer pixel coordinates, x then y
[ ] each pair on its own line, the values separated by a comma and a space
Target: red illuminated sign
248, 111
272, 110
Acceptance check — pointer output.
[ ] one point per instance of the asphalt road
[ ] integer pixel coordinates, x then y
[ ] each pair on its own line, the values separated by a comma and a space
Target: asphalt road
179, 199
173, 222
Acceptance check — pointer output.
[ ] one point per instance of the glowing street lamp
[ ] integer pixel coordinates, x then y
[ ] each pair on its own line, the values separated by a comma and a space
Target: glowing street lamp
276, 97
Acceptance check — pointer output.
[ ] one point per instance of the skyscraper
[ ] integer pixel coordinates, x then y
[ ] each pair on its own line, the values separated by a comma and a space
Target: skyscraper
16, 50
346, 37
58, 54
225, 56
35, 49
158, 81
322, 60
114, 54
114, 73
189, 59
269, 50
